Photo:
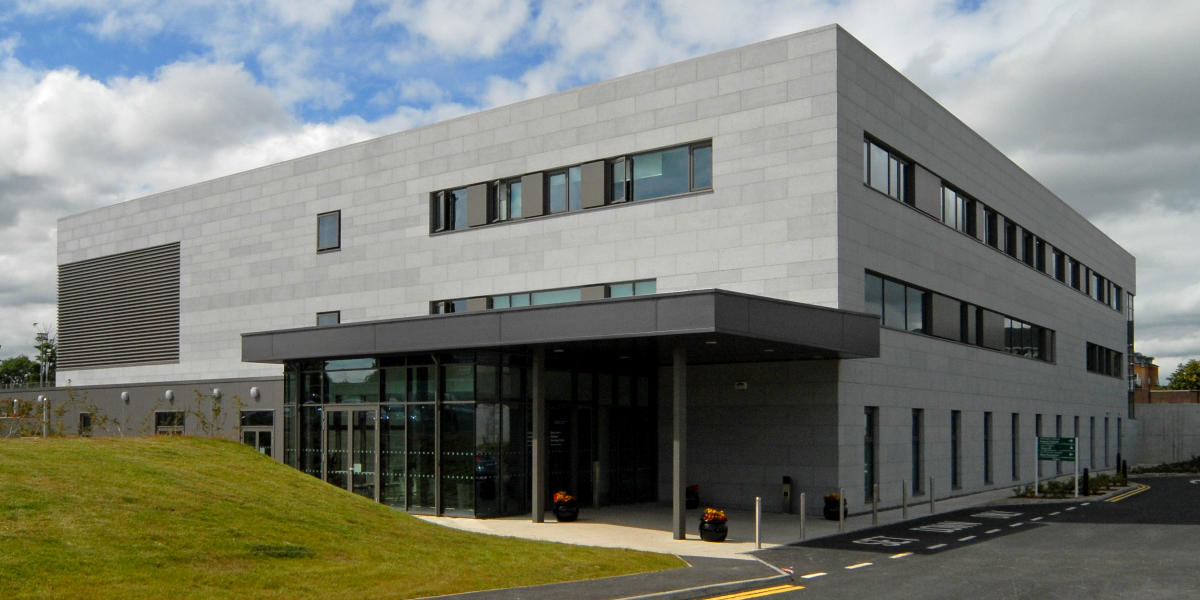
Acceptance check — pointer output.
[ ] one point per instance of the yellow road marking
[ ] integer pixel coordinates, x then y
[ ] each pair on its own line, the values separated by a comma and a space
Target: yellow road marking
811, 575
779, 589
1141, 488
859, 565
901, 555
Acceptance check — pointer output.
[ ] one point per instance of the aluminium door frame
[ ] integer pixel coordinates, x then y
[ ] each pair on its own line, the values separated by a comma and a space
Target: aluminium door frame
349, 408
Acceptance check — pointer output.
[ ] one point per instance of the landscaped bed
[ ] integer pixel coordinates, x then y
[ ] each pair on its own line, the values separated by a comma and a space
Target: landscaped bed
169, 517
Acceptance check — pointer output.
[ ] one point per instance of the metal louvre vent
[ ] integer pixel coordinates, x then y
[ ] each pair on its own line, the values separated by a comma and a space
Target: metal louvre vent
119, 310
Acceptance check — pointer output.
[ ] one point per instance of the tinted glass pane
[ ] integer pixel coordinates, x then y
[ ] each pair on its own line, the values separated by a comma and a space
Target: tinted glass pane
642, 288
894, 180
702, 167
618, 180
574, 187
459, 208
520, 299
329, 318
620, 290
555, 296
893, 300
873, 295
879, 168
420, 455
395, 384
558, 192
513, 382
866, 162
353, 386
487, 459
486, 383
353, 363
662, 173
499, 301
258, 418
558, 386
328, 231
514, 200
459, 382
916, 310
391, 455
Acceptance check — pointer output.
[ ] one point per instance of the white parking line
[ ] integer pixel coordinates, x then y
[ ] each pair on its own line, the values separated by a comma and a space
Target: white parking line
969, 537
992, 531
1033, 519
1072, 508
1084, 504
811, 575
901, 555
931, 547
859, 565
1013, 525
1051, 514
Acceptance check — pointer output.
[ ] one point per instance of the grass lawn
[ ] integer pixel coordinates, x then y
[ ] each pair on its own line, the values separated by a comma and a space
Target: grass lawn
169, 517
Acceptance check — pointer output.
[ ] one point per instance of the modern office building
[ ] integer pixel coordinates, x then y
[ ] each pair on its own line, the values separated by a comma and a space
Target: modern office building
778, 261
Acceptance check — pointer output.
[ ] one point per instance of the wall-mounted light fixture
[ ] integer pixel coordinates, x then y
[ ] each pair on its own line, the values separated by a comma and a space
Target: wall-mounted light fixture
254, 393
169, 396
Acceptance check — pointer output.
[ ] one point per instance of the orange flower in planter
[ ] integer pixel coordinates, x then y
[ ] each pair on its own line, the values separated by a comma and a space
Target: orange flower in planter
563, 497
712, 514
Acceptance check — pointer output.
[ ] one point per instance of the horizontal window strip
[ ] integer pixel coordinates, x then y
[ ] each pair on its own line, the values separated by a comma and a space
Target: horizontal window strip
543, 297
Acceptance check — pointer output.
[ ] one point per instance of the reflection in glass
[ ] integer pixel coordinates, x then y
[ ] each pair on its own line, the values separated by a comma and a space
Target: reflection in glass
617, 174
458, 458
362, 467
329, 231
620, 290
556, 296
459, 382
421, 456
488, 449
873, 295
500, 301
916, 310
395, 384
391, 455
458, 208
514, 200
642, 288
310, 440
485, 383
574, 187
353, 386
879, 168
893, 298
662, 173
514, 497
337, 438
558, 192
702, 167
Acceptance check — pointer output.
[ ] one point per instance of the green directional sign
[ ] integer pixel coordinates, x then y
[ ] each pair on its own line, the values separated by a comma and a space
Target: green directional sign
1056, 448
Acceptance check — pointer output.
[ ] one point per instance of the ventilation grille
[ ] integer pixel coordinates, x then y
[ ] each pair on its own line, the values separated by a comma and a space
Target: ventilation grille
119, 310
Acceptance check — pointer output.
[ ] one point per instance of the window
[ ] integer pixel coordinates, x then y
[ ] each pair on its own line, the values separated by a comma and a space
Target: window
1016, 446
506, 202
1027, 252
557, 296
329, 318
955, 449
1073, 267
85, 424
987, 447
619, 180
1010, 238
1027, 340
900, 306
1060, 266
329, 231
257, 428
557, 184
1103, 361
169, 422
870, 414
671, 171
991, 230
918, 449
958, 211
886, 171
1039, 261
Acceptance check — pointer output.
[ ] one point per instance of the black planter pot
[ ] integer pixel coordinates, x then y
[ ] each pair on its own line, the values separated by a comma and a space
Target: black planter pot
713, 531
692, 501
831, 511
565, 512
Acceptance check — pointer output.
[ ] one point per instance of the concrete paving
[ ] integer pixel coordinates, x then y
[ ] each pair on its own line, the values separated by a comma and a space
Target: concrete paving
647, 527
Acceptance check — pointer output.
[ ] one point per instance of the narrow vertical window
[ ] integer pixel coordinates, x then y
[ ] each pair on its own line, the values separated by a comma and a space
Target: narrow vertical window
437, 212
987, 448
458, 209
873, 295
329, 231
558, 192
1039, 261
1027, 248
991, 222
1060, 266
574, 188
916, 310
514, 199
871, 414
955, 448
617, 176
893, 299
918, 449
1015, 446
500, 203
701, 167
1010, 238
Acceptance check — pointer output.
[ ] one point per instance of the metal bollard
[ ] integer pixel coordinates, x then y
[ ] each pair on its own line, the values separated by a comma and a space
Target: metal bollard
932, 497
841, 509
875, 504
904, 498
758, 522
801, 515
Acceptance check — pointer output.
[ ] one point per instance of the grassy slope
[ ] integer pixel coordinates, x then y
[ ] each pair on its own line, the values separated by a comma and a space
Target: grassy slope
179, 518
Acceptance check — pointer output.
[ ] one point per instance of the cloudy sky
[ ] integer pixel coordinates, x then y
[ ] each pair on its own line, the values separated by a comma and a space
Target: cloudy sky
106, 100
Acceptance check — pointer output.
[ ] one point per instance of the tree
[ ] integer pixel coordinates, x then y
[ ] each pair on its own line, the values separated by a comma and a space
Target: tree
19, 371
1186, 377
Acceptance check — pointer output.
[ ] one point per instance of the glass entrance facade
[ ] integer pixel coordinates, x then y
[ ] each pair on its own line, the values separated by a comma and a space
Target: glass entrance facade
452, 433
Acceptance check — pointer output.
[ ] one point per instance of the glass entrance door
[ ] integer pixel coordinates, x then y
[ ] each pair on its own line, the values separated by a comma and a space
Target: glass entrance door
349, 450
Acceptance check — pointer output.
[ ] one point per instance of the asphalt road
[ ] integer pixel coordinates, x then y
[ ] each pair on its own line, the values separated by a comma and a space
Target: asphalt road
1146, 545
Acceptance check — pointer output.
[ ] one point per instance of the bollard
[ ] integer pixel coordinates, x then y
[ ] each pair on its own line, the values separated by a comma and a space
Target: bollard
1087, 483
932, 495
904, 500
1125, 468
841, 509
758, 522
875, 504
802, 515
45, 417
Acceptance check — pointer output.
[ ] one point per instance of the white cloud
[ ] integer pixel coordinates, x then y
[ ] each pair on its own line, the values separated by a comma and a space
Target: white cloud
476, 28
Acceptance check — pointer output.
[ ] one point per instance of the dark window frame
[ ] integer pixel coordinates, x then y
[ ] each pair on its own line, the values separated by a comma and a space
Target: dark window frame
904, 192
336, 313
